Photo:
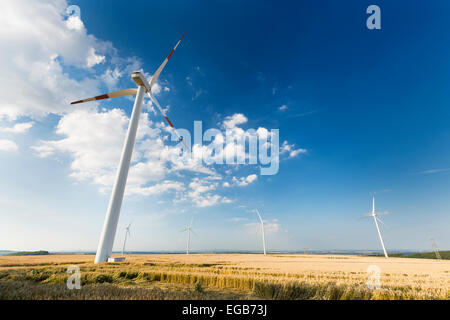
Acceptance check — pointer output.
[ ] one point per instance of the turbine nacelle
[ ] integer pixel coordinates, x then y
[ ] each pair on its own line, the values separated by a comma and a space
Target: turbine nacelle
140, 80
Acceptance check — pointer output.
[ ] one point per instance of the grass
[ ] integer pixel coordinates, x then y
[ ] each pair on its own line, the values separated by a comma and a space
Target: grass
20, 290
445, 255
224, 277
28, 253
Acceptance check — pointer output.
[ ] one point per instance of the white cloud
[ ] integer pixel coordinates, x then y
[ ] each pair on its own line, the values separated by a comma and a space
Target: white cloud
283, 107
93, 58
94, 142
201, 193
38, 41
111, 77
270, 226
234, 120
290, 150
262, 133
431, 171
245, 181
238, 219
296, 152
158, 189
74, 23
18, 128
8, 145
35, 81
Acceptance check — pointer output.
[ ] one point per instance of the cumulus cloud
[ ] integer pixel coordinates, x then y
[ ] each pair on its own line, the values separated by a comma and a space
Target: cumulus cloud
40, 43
283, 107
234, 120
93, 139
93, 58
111, 77
245, 181
159, 188
94, 142
201, 193
22, 127
290, 150
8, 145
39, 40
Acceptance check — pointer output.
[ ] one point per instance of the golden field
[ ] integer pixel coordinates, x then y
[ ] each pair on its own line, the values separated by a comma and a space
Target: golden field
224, 276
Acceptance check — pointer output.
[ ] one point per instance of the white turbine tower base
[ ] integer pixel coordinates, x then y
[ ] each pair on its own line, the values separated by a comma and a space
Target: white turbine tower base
112, 214
262, 230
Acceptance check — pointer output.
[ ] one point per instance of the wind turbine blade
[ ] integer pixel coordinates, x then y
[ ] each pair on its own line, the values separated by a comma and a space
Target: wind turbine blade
161, 67
259, 215
192, 219
373, 204
379, 220
114, 94
167, 118
194, 232
184, 230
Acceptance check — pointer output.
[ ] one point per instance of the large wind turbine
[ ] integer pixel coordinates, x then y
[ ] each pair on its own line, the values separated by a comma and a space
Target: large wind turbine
188, 229
127, 233
376, 219
112, 214
262, 230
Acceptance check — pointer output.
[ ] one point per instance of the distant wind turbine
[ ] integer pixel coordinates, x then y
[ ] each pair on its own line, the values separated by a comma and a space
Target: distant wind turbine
435, 248
376, 219
262, 230
127, 233
188, 229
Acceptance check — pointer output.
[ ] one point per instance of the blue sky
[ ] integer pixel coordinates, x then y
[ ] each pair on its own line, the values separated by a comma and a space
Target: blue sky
366, 109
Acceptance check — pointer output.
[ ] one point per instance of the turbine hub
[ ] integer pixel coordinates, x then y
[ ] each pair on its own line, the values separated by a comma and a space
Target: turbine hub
140, 80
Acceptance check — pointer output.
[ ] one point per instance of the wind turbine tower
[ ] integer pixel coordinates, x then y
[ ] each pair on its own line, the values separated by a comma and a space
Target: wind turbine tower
127, 233
376, 219
435, 248
188, 229
262, 230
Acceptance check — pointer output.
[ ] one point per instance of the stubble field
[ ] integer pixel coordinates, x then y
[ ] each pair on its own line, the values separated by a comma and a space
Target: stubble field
225, 276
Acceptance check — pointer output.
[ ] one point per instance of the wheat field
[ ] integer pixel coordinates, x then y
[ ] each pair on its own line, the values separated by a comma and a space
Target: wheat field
224, 276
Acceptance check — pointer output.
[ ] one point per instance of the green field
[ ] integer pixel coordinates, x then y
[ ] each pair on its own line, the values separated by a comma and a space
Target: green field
28, 253
423, 255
